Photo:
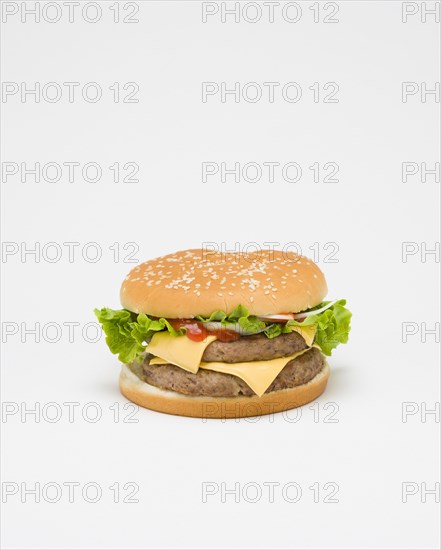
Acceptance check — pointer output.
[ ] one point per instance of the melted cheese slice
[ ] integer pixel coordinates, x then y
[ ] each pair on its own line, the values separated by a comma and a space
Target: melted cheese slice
259, 375
179, 350
308, 333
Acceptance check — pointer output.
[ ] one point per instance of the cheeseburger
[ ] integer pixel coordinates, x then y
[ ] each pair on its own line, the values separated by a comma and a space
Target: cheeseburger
224, 335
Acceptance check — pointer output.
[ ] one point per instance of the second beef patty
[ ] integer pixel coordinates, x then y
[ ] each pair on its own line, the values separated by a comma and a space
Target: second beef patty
296, 372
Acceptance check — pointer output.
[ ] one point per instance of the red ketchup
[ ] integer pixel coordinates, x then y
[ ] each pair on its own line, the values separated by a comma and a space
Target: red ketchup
225, 335
197, 332
194, 330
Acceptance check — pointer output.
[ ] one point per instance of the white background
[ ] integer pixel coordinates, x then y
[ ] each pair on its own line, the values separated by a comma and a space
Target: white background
370, 452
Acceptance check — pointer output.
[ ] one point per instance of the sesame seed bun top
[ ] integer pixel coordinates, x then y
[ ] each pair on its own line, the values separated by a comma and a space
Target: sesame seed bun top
198, 282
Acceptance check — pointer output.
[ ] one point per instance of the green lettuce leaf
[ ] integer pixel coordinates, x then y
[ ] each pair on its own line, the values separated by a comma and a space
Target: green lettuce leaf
217, 315
274, 330
126, 332
333, 326
118, 327
240, 315
251, 323
239, 312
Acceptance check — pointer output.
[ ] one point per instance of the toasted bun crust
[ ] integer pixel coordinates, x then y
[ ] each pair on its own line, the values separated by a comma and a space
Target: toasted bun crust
150, 397
198, 282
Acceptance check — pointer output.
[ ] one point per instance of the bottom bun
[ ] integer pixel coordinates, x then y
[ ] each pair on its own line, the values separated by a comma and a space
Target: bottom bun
135, 389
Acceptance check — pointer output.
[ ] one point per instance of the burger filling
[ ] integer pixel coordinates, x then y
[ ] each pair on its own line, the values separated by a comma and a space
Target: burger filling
228, 355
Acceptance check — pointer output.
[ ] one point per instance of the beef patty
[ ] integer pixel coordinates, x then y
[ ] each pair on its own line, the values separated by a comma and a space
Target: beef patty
254, 348
216, 384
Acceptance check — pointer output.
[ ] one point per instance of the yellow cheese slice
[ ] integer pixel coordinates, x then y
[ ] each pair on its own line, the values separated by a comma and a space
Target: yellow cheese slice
158, 361
179, 350
308, 333
259, 375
